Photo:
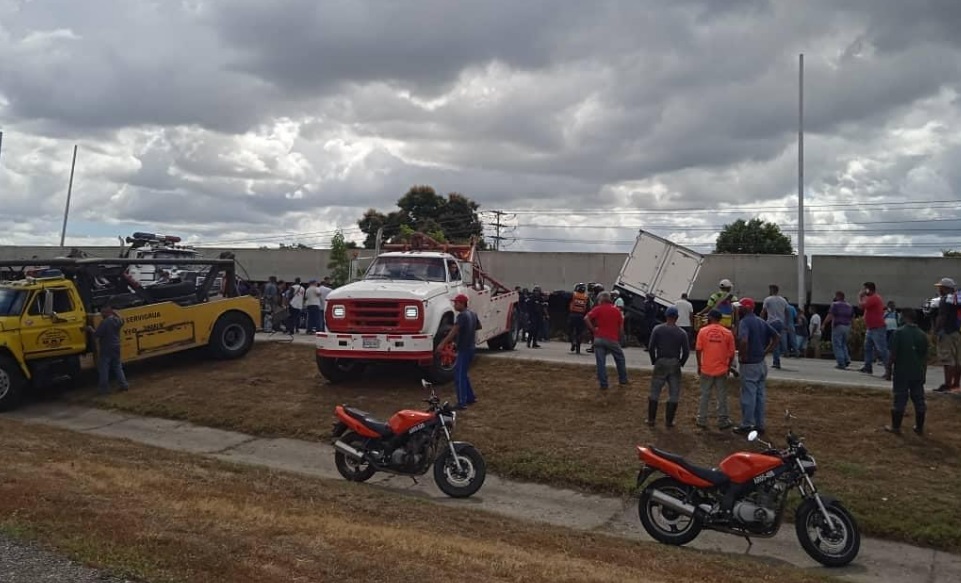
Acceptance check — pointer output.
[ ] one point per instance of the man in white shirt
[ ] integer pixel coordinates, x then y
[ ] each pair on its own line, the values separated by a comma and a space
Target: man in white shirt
684, 312
814, 326
315, 313
295, 305
324, 289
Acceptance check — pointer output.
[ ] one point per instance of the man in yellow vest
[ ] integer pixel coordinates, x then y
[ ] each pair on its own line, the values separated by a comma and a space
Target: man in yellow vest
723, 301
578, 307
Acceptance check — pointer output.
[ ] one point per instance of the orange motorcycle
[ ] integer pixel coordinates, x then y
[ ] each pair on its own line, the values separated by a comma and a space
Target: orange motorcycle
746, 496
408, 444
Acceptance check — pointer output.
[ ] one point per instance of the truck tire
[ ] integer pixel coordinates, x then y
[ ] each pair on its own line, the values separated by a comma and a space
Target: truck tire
232, 337
441, 370
12, 384
340, 370
507, 340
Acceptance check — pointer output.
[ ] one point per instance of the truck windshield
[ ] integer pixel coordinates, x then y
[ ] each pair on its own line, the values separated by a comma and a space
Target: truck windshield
11, 301
411, 268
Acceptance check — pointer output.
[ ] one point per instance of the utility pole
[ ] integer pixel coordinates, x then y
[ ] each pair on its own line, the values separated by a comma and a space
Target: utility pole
497, 230
801, 260
1, 142
66, 210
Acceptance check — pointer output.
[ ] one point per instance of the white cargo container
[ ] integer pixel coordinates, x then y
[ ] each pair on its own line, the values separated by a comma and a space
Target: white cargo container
658, 266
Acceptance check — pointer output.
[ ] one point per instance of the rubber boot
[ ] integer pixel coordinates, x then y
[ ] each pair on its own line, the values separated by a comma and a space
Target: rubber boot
671, 412
651, 412
919, 422
895, 427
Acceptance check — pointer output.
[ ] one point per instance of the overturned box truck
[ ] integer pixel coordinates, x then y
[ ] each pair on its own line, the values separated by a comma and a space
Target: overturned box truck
659, 267
403, 308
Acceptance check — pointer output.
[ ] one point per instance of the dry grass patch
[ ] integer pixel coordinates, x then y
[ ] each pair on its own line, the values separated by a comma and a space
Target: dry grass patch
548, 423
163, 516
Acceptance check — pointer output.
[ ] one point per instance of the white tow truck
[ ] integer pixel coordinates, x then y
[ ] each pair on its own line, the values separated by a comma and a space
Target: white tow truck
403, 308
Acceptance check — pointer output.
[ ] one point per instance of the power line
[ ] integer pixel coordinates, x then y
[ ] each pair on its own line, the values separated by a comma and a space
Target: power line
903, 205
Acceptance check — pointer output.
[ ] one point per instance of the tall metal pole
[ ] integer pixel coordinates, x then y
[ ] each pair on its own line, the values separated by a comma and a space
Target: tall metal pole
1, 142
66, 210
801, 260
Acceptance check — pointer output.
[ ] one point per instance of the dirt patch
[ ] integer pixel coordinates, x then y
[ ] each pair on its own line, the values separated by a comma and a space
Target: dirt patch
163, 516
548, 423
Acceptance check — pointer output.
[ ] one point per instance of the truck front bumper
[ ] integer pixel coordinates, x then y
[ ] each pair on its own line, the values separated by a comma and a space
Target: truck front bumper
416, 347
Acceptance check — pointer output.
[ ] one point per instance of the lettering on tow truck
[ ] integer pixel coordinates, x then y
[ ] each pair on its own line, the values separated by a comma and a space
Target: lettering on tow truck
142, 317
52, 338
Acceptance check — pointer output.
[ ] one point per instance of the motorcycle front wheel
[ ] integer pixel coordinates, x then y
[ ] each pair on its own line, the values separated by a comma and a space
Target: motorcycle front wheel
351, 469
463, 481
664, 524
834, 548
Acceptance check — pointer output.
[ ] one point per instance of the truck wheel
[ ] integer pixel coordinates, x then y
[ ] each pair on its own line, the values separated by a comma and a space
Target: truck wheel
507, 340
441, 370
339, 370
232, 337
12, 383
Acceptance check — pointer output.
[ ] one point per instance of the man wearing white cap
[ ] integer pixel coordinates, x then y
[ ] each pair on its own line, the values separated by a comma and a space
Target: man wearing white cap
946, 326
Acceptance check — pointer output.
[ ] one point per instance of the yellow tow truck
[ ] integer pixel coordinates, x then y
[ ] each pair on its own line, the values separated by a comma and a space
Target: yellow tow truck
45, 310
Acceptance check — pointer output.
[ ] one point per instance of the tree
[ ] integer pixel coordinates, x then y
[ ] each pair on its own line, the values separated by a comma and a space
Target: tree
295, 246
754, 236
339, 264
452, 219
950, 253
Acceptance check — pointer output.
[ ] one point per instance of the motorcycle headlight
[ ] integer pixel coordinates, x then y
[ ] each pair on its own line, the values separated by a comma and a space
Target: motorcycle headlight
338, 312
411, 312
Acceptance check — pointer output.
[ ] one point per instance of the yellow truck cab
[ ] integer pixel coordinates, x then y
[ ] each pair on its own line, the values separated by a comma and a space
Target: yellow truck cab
44, 315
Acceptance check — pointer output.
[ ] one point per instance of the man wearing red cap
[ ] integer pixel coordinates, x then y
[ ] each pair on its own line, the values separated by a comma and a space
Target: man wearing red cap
464, 331
756, 338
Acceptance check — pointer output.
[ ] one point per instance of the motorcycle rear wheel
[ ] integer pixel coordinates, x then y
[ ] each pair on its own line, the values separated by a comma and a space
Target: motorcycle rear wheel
831, 550
650, 512
353, 470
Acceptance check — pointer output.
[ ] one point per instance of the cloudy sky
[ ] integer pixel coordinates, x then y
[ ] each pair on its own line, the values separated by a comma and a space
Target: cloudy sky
250, 122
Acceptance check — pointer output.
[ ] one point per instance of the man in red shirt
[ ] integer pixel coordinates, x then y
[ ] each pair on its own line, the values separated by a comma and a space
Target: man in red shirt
876, 335
606, 323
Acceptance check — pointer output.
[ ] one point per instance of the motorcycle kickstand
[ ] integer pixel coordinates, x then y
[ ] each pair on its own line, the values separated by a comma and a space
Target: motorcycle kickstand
749, 543
415, 480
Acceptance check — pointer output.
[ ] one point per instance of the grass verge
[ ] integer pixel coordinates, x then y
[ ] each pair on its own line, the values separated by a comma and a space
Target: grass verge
547, 423
163, 516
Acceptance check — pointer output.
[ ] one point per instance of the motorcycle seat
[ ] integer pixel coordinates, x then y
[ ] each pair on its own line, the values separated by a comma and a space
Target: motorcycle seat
369, 421
715, 477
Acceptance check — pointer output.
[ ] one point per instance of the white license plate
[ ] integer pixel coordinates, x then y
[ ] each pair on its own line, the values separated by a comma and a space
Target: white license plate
371, 342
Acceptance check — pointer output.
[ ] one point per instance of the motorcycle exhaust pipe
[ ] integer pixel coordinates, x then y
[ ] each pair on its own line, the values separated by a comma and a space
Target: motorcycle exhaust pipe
673, 503
354, 454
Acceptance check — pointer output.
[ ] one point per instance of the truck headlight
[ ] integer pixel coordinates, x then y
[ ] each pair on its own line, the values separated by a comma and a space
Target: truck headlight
338, 312
411, 312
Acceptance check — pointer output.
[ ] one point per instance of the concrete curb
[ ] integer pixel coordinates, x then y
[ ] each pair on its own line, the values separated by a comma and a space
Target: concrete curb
879, 561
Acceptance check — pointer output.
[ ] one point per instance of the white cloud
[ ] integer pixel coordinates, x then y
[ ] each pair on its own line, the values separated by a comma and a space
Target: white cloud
265, 122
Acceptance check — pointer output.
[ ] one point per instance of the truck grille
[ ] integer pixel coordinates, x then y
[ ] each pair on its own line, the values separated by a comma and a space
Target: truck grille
376, 316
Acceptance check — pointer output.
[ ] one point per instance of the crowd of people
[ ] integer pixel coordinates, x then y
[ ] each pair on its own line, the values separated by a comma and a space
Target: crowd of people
732, 336
293, 306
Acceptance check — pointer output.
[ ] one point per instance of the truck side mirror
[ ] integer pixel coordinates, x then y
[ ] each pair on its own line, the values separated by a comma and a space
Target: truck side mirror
47, 303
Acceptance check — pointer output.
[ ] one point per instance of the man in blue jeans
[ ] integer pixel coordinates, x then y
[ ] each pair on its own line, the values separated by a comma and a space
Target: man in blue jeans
606, 324
108, 349
840, 316
775, 311
464, 331
755, 339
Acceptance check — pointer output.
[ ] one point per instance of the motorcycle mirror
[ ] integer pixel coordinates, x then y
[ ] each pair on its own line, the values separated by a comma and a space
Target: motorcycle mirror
752, 436
425, 383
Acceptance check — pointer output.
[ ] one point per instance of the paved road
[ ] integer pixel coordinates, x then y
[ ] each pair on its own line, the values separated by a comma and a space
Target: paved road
794, 369
879, 561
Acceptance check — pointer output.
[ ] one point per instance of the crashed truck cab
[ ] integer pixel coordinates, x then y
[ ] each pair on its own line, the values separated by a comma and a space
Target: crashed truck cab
403, 308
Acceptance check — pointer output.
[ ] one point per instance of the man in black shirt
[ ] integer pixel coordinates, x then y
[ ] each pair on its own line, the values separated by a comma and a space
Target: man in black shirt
108, 349
949, 338
669, 350
464, 333
536, 312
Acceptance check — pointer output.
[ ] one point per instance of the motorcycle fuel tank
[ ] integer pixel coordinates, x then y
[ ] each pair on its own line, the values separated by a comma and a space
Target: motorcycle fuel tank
742, 466
402, 421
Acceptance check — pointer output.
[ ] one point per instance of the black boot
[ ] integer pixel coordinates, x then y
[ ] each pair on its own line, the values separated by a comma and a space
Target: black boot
651, 412
919, 422
671, 412
895, 427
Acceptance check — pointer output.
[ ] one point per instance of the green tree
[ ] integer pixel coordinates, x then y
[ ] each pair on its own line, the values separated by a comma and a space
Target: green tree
754, 236
295, 246
339, 264
950, 253
452, 219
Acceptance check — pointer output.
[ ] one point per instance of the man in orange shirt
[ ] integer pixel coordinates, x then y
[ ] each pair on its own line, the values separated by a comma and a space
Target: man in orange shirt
715, 356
